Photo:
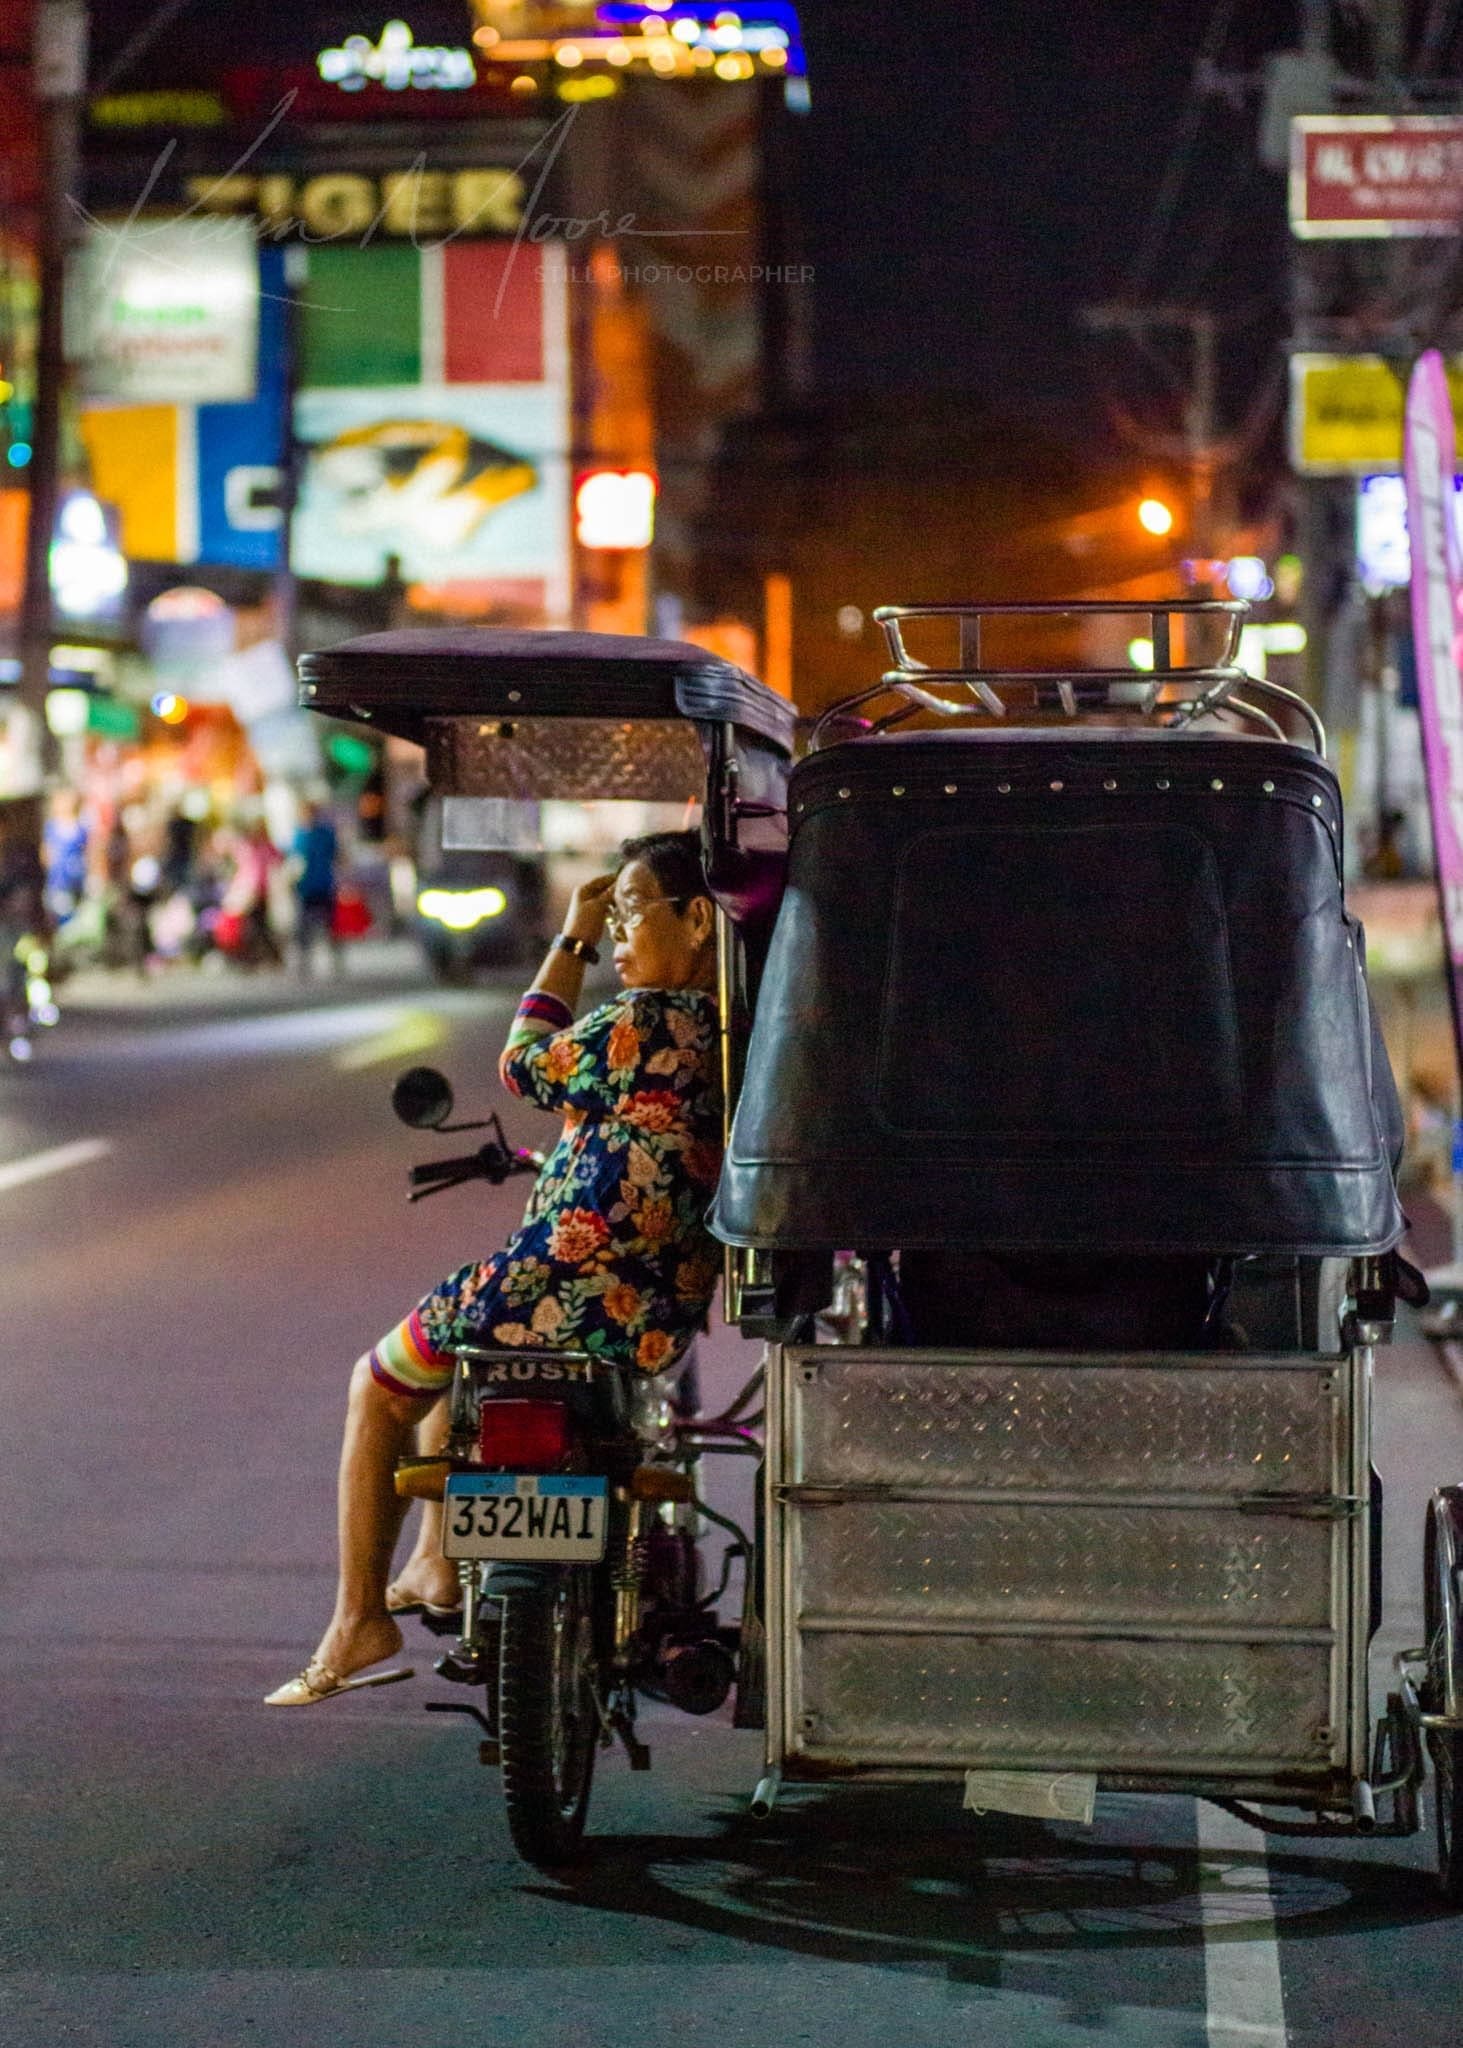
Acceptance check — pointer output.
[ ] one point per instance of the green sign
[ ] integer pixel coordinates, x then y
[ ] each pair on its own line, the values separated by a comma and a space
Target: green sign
353, 756
113, 720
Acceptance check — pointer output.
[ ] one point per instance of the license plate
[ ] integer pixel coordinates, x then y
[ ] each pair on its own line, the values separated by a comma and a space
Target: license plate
508, 1515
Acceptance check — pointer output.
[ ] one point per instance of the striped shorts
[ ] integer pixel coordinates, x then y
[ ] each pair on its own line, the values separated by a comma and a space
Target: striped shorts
412, 1358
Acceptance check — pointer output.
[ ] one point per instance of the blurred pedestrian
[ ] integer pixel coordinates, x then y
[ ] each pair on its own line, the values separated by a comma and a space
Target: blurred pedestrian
22, 918
174, 917
64, 844
314, 856
180, 851
128, 940
247, 896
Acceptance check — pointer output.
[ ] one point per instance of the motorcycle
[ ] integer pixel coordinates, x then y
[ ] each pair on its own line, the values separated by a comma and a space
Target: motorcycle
571, 1510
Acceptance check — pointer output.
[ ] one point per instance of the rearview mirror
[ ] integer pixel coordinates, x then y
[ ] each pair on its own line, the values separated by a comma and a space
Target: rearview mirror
422, 1098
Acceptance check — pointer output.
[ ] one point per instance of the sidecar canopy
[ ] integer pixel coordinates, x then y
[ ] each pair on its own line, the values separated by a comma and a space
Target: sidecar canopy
550, 714
529, 715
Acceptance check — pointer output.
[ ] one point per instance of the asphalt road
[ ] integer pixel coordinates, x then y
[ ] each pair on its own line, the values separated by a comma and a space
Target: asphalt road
179, 1866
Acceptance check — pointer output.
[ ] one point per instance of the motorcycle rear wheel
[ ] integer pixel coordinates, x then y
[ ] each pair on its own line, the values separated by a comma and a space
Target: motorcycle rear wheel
548, 1726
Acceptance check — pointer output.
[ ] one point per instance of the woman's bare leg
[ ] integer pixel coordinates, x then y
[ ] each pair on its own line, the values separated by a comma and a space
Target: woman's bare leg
427, 1575
378, 1431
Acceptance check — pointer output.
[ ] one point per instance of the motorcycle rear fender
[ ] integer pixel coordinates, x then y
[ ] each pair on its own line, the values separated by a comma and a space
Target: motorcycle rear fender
519, 1578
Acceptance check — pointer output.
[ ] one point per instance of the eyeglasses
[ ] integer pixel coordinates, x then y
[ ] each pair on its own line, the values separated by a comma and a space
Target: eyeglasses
619, 923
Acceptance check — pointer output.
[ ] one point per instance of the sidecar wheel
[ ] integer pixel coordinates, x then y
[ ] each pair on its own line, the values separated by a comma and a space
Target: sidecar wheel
1442, 1593
547, 1723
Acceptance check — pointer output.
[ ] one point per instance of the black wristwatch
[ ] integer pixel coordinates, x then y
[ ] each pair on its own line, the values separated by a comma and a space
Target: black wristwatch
580, 948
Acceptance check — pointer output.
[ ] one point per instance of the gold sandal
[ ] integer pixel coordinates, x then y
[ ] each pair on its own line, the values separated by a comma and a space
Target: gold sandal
318, 1682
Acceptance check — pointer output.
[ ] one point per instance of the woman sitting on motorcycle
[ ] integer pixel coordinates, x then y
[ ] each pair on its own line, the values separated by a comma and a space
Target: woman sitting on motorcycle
612, 1256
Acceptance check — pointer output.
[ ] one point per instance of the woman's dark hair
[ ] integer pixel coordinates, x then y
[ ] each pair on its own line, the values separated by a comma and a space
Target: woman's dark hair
674, 858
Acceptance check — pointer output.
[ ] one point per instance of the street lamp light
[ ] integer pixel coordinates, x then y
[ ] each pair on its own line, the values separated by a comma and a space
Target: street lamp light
1155, 517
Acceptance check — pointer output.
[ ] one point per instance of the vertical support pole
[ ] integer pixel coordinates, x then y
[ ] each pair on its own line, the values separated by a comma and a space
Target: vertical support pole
1359, 1425
1200, 424
731, 1288
62, 32
772, 1561
1162, 643
296, 275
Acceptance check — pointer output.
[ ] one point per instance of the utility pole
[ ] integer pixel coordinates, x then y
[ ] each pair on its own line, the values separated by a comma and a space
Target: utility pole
1199, 447
62, 30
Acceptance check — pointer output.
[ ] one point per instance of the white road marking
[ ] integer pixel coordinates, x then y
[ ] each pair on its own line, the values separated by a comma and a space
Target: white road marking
1243, 1993
19, 1171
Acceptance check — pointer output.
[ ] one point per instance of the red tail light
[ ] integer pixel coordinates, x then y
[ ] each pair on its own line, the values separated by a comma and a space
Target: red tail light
523, 1436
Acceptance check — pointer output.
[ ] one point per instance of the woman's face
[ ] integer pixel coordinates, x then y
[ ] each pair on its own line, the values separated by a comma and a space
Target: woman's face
659, 943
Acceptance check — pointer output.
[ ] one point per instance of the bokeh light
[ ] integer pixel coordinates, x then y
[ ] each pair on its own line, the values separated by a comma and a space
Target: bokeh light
1155, 517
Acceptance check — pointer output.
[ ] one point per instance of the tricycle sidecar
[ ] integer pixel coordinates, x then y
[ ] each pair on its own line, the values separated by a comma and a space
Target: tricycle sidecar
1059, 1180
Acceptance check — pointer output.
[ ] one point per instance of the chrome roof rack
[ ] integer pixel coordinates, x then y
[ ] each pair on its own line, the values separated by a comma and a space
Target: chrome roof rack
1172, 695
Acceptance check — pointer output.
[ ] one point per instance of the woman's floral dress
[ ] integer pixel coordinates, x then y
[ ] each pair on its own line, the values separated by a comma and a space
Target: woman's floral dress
613, 1255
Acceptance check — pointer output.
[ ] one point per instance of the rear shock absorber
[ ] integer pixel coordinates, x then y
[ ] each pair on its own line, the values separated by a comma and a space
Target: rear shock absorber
462, 1410
628, 1577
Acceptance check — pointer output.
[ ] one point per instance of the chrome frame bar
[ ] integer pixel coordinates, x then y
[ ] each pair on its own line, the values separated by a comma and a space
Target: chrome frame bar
892, 617
775, 1564
1218, 695
496, 1354
1214, 687
1447, 1568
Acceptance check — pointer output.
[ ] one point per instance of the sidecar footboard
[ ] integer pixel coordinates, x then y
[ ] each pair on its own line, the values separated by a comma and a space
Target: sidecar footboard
1152, 1567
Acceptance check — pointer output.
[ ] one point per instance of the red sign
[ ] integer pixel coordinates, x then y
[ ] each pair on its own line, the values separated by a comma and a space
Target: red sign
1376, 174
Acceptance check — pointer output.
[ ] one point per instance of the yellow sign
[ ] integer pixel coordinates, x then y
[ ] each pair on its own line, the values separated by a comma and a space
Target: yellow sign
141, 459
347, 205
166, 109
1346, 413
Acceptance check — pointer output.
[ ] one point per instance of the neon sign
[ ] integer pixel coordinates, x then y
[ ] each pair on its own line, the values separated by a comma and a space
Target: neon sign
398, 62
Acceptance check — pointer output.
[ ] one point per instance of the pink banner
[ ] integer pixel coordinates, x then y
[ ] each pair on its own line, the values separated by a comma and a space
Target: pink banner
1437, 628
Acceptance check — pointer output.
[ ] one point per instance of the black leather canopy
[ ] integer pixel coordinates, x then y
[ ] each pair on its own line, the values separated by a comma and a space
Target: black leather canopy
401, 680
1064, 989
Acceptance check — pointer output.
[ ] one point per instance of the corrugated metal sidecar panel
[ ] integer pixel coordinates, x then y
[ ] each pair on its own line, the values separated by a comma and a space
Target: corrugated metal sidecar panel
930, 1418
1052, 1704
1126, 1565
571, 758
988, 1564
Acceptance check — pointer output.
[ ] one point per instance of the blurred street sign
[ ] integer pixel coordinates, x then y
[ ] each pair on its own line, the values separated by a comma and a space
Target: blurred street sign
258, 682
201, 482
111, 719
348, 206
1376, 174
165, 312
1346, 413
62, 34
186, 626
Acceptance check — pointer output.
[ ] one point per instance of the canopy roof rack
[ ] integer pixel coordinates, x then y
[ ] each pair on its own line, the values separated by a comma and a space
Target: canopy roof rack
1169, 694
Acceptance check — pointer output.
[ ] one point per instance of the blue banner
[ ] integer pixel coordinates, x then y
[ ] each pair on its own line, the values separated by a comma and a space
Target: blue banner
240, 448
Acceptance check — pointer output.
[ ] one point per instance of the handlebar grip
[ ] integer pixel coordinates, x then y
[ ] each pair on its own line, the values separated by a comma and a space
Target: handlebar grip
446, 1169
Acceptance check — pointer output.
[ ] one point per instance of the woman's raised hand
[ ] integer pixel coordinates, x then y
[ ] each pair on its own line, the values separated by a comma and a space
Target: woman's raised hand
588, 908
